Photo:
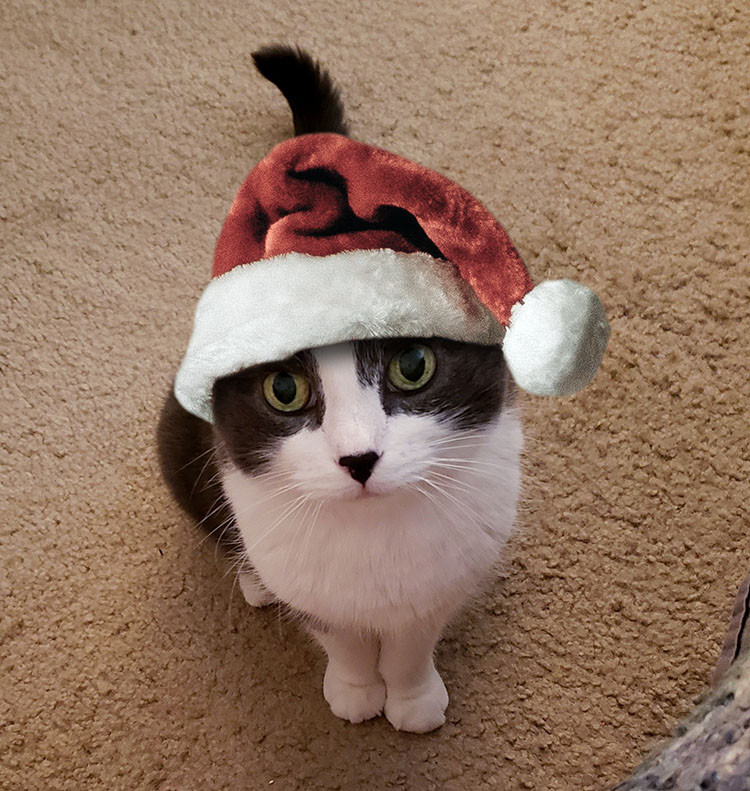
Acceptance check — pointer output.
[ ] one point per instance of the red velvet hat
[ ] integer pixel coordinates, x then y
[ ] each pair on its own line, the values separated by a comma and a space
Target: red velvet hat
332, 240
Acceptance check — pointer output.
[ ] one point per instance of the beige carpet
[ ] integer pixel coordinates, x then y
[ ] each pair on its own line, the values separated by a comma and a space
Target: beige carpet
611, 141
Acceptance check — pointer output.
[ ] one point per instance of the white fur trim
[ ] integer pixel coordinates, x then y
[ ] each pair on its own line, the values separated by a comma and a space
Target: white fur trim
273, 308
556, 338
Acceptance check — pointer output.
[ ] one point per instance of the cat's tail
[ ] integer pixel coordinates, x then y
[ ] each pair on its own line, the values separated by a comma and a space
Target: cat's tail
306, 85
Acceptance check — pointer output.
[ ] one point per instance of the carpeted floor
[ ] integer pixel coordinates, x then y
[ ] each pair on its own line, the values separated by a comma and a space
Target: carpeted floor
610, 140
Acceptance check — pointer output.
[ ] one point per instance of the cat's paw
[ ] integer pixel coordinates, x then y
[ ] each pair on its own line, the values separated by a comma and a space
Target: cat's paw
418, 710
253, 591
353, 702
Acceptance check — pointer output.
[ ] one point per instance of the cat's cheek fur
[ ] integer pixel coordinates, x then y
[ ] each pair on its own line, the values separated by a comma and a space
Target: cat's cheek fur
309, 464
308, 458
383, 563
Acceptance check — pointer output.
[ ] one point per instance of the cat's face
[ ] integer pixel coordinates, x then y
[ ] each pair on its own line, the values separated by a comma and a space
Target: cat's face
360, 419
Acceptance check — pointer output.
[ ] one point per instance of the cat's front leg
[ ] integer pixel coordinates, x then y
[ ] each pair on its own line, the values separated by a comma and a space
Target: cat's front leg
352, 685
416, 697
255, 593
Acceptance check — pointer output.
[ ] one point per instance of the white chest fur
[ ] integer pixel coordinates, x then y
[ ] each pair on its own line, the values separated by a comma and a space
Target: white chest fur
442, 507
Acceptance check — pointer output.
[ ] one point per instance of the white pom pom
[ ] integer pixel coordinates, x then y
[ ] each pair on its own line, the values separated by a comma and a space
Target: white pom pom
556, 338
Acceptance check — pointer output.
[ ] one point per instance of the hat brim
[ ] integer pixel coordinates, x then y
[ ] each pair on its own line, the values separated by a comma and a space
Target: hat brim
273, 308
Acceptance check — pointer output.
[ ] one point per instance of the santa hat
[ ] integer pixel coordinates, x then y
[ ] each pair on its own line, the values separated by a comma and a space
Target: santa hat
332, 240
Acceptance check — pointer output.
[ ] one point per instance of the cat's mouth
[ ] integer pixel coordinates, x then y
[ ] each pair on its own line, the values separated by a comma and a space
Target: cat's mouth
369, 491
358, 494
375, 490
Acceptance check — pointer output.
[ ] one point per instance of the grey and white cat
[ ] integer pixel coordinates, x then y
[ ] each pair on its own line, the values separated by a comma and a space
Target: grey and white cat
370, 485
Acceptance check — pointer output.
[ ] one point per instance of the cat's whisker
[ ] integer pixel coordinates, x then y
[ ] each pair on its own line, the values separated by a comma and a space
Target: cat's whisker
222, 529
436, 487
477, 475
458, 441
228, 523
270, 475
237, 559
252, 506
460, 434
215, 478
200, 474
484, 470
290, 509
456, 483
309, 506
464, 446
457, 453
234, 567
275, 493
211, 450
216, 506
464, 463
434, 501
469, 442
311, 528
238, 569
231, 596
461, 504
223, 526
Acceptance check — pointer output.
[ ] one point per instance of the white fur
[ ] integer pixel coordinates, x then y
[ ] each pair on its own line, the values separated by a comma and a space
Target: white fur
556, 339
395, 558
255, 593
272, 308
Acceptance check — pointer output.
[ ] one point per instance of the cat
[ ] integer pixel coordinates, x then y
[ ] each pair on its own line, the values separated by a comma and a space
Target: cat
369, 486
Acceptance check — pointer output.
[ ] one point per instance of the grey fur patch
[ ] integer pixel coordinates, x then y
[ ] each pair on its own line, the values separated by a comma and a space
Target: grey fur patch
468, 388
248, 426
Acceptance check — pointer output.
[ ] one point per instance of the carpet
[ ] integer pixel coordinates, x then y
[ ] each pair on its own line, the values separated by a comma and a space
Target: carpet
612, 142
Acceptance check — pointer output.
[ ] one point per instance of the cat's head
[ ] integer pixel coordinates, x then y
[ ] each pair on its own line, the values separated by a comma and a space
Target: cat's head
361, 419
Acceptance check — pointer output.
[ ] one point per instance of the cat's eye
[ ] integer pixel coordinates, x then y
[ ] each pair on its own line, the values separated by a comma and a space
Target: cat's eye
286, 392
412, 367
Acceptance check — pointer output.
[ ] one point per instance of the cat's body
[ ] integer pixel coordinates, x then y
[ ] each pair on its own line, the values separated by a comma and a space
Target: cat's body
370, 486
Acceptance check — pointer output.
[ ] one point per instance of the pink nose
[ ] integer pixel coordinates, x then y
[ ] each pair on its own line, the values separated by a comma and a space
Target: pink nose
360, 465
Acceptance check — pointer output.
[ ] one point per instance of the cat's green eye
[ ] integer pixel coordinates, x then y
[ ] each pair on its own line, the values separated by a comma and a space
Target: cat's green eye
286, 392
412, 368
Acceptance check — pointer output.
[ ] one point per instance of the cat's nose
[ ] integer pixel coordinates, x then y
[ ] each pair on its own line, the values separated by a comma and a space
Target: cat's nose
360, 465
